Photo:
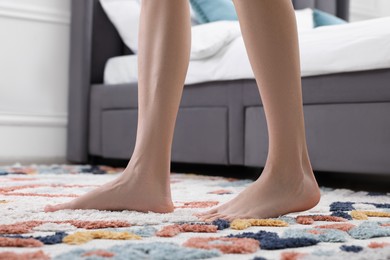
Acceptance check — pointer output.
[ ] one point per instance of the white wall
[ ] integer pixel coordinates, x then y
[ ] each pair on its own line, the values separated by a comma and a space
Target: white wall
33, 80
369, 9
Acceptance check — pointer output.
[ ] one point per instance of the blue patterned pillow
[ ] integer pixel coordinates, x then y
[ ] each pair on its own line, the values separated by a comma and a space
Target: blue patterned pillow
322, 18
214, 10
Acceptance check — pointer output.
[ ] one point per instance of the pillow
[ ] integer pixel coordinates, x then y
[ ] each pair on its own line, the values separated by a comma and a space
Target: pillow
304, 18
216, 10
322, 18
125, 14
207, 39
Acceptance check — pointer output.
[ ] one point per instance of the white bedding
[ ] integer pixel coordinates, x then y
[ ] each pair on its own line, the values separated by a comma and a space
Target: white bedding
363, 45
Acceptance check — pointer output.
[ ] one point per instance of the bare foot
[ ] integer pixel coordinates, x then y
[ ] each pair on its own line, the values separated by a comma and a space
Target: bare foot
132, 190
275, 193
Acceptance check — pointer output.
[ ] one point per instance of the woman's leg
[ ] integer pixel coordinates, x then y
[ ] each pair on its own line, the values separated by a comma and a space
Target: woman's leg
163, 58
287, 183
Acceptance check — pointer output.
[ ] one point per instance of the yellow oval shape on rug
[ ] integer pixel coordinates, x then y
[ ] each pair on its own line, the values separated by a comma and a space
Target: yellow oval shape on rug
79, 238
240, 224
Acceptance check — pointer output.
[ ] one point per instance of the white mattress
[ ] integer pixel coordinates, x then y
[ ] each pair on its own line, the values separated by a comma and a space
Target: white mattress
363, 45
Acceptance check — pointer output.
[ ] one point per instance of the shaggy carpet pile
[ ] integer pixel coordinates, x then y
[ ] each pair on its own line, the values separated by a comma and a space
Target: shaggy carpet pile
345, 224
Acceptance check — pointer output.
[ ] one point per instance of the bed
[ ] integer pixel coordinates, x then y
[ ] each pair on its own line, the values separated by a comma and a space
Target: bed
222, 122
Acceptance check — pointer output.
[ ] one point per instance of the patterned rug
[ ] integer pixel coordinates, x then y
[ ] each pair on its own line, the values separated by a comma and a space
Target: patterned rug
344, 225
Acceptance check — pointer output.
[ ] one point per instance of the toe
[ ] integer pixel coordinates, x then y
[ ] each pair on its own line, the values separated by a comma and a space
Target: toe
197, 214
231, 217
209, 212
207, 217
53, 208
218, 216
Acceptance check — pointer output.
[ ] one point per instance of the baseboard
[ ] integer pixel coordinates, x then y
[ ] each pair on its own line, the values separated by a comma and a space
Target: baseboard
32, 141
7, 161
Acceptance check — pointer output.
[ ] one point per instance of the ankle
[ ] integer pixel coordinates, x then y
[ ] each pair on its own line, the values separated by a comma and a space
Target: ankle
284, 172
284, 165
149, 159
156, 173
297, 160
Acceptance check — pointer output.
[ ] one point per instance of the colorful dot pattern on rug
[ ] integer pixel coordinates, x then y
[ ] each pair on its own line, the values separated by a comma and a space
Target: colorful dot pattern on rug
344, 225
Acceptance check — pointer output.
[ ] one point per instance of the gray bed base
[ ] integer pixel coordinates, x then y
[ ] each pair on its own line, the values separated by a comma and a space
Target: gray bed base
346, 114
